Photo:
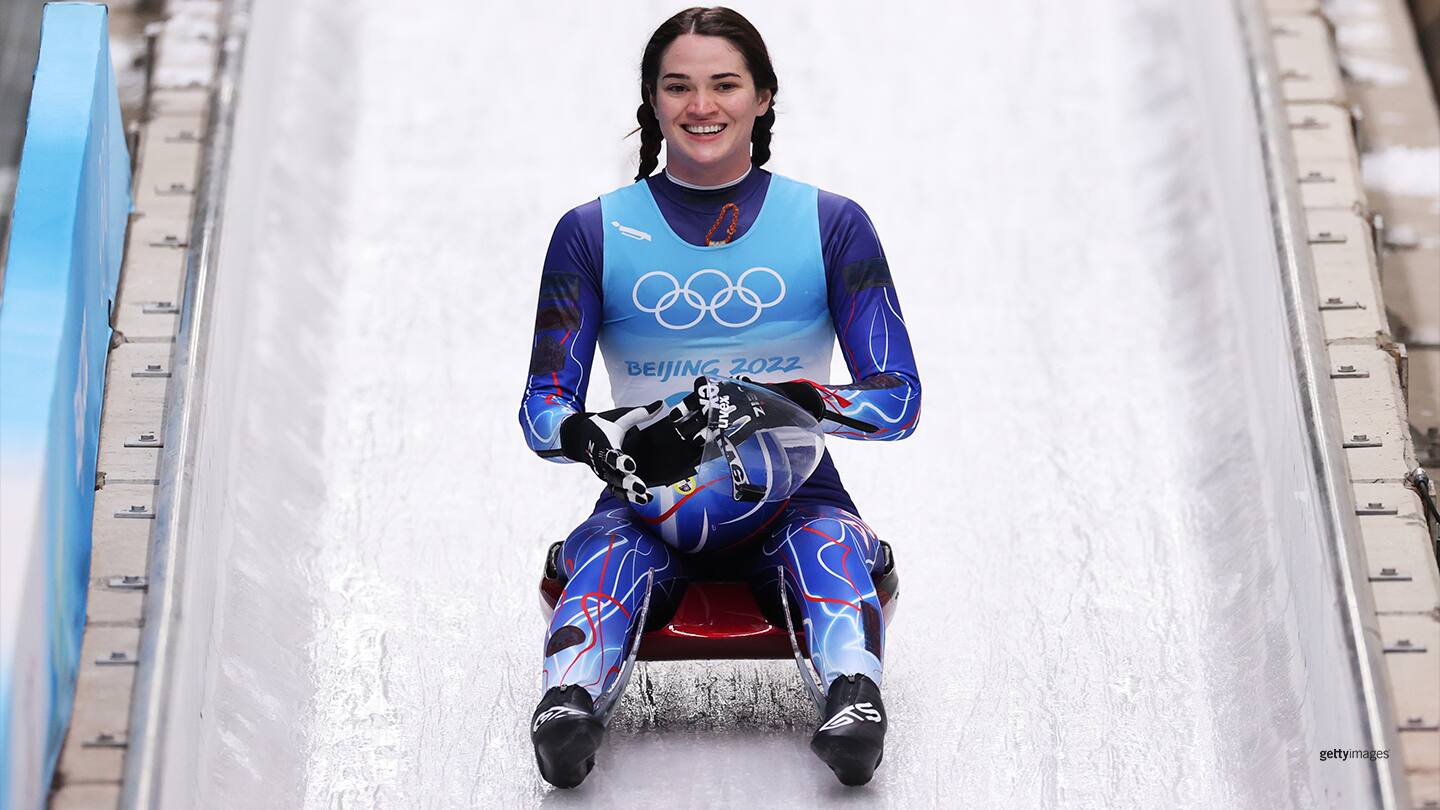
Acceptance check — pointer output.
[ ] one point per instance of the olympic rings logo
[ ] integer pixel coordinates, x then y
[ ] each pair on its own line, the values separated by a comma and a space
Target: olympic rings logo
700, 303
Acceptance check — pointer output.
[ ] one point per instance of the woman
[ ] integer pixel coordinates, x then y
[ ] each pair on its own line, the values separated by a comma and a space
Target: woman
713, 267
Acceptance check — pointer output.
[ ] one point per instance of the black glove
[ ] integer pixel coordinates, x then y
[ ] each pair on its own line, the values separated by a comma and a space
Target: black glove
667, 449
596, 438
799, 392
807, 396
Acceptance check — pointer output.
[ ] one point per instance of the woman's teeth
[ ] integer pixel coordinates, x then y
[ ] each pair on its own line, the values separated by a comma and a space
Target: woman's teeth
705, 130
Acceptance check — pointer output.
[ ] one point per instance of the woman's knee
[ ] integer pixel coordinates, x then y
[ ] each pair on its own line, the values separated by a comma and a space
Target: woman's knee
809, 532
615, 542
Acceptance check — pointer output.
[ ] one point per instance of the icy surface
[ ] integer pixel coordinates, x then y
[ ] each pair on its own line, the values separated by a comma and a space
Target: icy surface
1086, 617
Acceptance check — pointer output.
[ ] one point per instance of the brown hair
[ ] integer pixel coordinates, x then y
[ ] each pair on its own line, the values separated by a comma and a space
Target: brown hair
711, 22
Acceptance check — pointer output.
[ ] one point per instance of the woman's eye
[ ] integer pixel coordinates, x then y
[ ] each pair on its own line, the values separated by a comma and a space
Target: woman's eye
726, 86
675, 88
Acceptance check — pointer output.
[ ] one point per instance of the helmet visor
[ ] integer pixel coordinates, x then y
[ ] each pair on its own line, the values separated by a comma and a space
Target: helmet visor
769, 445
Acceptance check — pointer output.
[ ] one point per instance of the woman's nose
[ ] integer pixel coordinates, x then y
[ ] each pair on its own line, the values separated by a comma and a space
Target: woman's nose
701, 103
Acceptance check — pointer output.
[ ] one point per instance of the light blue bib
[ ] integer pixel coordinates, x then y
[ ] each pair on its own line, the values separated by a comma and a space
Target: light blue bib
674, 311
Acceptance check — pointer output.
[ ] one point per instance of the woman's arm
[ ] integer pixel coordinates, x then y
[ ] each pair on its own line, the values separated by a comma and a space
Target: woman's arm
873, 339
567, 321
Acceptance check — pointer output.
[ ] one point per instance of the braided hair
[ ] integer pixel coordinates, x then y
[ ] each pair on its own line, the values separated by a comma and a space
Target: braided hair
714, 22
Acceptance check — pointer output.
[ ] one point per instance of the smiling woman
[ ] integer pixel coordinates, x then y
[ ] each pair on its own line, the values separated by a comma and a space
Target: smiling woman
647, 274
709, 120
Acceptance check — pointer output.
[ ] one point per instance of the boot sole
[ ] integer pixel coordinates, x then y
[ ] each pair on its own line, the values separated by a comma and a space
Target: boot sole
853, 760
565, 749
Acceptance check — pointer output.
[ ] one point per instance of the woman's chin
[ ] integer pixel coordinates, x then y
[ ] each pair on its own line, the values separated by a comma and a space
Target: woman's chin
702, 163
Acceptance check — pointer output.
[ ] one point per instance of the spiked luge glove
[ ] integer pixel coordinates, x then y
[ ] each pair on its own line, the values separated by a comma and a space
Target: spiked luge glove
596, 439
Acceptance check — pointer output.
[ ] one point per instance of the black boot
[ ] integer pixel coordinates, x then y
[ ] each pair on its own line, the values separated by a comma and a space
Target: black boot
566, 734
852, 738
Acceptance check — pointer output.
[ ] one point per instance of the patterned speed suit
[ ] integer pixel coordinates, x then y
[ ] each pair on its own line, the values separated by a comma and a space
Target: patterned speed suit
632, 272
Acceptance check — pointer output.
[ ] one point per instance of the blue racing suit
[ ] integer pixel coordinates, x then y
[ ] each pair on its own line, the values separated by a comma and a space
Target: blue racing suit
757, 278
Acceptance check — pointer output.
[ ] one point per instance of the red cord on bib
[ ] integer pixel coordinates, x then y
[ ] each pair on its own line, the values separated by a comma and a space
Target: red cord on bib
729, 232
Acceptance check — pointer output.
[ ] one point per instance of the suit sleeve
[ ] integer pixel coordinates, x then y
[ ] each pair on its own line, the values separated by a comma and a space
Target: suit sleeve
885, 386
567, 323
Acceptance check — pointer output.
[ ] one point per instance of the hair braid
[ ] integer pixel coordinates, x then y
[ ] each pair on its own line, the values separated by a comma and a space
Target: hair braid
760, 136
650, 139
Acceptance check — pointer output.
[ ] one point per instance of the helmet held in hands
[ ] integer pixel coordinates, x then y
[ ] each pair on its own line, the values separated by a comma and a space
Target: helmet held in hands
723, 462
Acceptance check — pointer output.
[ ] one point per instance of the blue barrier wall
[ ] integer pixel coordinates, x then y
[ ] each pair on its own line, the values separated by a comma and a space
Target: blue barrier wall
72, 202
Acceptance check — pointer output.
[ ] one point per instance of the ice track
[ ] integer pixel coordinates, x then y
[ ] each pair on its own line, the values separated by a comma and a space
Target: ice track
1098, 601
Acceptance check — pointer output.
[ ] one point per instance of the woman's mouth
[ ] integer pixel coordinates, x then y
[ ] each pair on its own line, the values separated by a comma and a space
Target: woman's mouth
703, 131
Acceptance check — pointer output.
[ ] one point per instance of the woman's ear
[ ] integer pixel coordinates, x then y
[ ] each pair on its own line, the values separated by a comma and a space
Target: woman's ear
762, 100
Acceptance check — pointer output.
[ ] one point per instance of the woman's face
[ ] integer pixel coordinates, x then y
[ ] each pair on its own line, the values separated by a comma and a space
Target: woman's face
706, 102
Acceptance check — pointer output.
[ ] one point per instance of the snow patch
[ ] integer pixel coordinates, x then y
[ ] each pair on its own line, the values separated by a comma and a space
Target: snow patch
1412, 171
1424, 336
1351, 8
1373, 71
1362, 35
186, 56
1392, 118
1406, 237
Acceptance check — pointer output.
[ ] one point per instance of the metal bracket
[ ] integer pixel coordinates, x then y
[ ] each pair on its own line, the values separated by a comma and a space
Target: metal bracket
129, 582
170, 241
1419, 482
1360, 440
1404, 645
160, 308
117, 658
1347, 371
1335, 302
1418, 724
146, 439
151, 370
1327, 238
106, 740
138, 512
1376, 508
1390, 575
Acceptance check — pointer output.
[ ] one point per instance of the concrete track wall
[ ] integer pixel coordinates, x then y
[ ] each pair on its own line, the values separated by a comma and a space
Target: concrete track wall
253, 436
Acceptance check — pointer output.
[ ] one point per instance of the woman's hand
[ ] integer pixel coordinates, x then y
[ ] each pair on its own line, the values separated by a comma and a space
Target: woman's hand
800, 392
807, 395
596, 438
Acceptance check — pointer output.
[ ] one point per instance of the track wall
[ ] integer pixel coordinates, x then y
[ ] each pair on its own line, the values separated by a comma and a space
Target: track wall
1306, 582
252, 425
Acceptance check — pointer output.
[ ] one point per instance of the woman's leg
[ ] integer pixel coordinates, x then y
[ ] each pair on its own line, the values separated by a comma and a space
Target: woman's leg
827, 555
824, 555
608, 561
605, 559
